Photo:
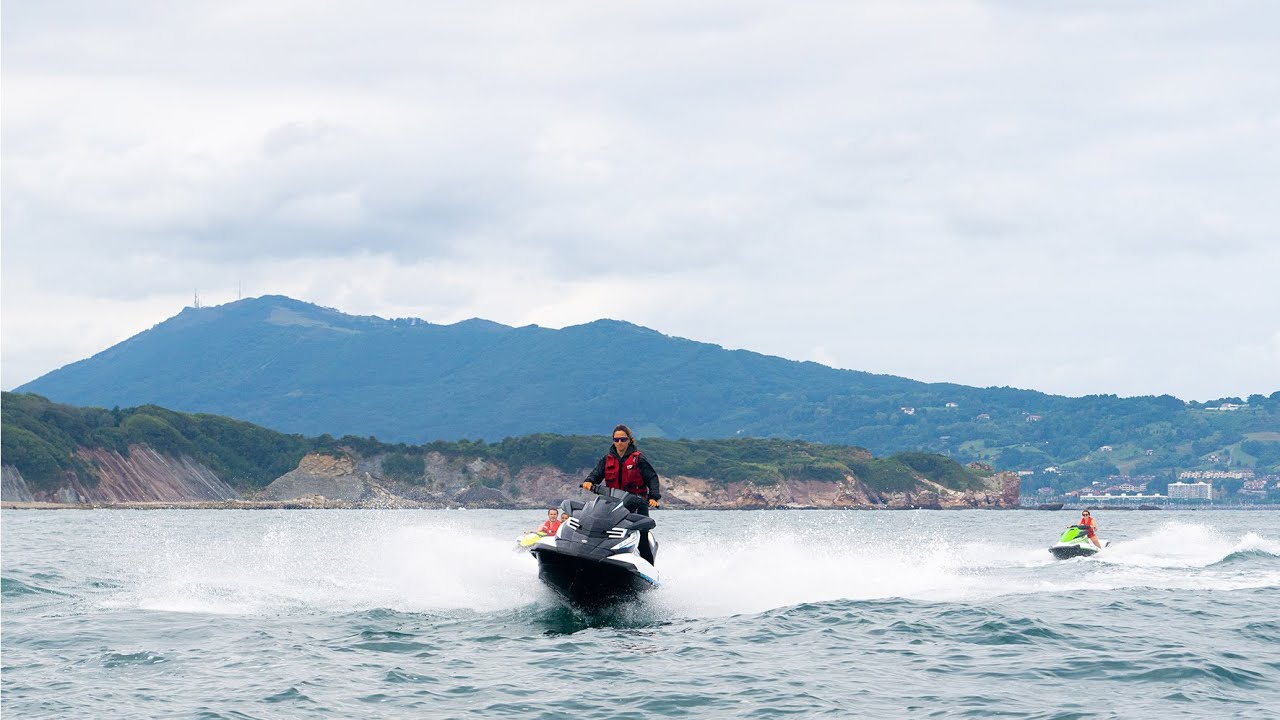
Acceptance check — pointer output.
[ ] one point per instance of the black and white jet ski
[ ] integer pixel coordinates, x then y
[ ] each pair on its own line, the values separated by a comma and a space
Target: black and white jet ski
601, 553
1075, 543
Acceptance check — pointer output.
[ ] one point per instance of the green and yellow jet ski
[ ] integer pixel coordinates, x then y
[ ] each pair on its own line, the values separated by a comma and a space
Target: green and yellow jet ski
1075, 543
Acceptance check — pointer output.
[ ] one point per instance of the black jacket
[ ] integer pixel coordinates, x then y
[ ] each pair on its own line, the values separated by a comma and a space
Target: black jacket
646, 470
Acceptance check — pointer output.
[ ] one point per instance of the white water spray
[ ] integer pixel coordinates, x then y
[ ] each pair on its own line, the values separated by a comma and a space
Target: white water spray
466, 562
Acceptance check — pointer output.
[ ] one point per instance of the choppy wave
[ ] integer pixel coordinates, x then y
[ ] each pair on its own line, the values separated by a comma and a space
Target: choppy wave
447, 564
1187, 545
433, 614
14, 588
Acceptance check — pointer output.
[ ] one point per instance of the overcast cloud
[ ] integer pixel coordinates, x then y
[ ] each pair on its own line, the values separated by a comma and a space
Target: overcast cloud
1071, 197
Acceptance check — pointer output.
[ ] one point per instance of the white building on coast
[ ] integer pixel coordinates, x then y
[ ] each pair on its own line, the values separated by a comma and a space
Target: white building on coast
1190, 491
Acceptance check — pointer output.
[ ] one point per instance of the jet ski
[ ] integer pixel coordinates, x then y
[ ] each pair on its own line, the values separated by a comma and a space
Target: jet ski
600, 554
1075, 543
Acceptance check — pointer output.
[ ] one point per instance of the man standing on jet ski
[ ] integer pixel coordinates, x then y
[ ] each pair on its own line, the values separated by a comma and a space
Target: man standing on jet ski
625, 468
1090, 528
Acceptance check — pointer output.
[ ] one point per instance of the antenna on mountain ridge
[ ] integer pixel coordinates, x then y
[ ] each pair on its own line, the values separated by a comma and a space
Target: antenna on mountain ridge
197, 305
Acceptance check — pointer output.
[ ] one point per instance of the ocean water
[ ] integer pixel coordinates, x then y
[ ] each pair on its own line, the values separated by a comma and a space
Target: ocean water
763, 614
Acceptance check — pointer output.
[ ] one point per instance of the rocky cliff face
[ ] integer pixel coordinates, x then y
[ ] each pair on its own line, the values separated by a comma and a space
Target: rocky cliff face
12, 487
144, 476
334, 478
449, 482
444, 482
1001, 491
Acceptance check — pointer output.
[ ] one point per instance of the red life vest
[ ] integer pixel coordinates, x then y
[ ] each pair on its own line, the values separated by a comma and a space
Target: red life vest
1090, 528
625, 474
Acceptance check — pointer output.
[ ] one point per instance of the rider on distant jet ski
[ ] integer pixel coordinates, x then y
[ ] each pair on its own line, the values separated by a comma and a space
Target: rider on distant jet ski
1090, 528
625, 468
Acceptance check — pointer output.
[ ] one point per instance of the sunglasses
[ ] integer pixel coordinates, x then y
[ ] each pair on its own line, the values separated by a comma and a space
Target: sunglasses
622, 439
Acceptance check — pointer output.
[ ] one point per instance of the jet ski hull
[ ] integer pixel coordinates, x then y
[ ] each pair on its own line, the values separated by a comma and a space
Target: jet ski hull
590, 583
1066, 552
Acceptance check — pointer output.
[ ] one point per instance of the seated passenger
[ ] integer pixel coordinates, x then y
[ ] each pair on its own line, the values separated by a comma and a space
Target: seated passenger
552, 524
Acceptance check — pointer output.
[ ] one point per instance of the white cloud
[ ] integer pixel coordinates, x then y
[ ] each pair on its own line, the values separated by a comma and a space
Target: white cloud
1071, 199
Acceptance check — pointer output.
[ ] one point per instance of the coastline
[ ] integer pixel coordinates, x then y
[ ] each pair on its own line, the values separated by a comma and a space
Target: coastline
327, 504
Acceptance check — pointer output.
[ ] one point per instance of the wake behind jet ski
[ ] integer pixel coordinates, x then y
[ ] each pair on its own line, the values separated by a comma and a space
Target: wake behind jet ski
1075, 543
600, 554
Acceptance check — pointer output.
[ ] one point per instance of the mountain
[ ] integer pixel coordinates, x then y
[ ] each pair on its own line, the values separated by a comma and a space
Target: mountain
296, 367
301, 368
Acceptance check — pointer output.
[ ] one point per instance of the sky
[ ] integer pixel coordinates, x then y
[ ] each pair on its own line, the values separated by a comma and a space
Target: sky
1077, 198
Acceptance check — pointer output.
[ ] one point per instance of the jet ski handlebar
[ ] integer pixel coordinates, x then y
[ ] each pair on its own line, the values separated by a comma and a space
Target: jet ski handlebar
630, 500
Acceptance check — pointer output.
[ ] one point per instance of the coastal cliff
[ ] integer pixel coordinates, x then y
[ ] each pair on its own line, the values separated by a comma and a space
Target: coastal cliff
479, 483
144, 476
64, 455
147, 477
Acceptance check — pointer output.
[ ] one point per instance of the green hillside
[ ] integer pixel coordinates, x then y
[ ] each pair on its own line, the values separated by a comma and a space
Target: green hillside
41, 438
